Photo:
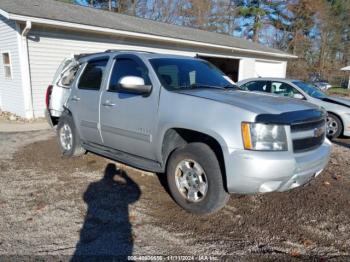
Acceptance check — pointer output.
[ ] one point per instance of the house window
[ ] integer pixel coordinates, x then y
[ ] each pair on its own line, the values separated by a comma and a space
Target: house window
6, 60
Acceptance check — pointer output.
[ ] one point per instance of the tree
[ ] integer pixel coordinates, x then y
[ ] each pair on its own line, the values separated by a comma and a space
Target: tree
198, 14
316, 31
226, 17
333, 37
168, 11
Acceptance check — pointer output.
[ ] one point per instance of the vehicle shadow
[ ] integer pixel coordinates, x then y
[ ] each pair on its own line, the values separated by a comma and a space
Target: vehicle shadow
342, 143
163, 181
107, 231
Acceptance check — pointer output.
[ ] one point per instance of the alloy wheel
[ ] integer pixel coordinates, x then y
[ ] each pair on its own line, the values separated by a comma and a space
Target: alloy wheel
332, 126
191, 180
66, 137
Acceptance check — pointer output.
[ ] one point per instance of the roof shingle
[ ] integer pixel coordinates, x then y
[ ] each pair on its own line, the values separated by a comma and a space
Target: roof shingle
54, 10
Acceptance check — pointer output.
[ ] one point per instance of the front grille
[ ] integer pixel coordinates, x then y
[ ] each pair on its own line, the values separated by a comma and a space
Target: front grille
307, 125
314, 131
307, 144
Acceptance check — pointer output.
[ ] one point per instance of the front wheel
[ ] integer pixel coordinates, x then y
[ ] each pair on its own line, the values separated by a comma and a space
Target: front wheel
68, 138
334, 126
195, 179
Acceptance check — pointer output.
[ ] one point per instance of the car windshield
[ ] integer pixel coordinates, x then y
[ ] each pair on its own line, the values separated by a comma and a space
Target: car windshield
310, 89
180, 73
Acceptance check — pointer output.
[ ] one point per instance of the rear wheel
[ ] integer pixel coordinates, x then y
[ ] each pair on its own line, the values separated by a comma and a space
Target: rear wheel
68, 138
195, 180
334, 126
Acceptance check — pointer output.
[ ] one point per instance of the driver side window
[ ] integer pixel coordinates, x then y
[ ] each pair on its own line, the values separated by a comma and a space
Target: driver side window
127, 67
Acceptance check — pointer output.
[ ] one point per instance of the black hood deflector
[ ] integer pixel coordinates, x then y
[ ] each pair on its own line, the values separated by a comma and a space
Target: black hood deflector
290, 118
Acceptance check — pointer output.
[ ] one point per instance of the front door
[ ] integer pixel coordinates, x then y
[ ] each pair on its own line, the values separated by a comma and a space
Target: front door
128, 121
85, 100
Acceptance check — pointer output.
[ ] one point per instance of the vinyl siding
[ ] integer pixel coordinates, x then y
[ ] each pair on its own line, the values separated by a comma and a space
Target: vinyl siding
48, 48
11, 92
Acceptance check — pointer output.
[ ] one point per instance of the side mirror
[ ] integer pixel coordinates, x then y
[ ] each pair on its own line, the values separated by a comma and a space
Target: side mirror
134, 85
298, 96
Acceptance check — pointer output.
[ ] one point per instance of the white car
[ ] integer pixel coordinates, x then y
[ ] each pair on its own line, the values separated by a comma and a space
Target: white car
323, 85
338, 108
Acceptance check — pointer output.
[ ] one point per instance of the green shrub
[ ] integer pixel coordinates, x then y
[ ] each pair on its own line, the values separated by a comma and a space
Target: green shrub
339, 91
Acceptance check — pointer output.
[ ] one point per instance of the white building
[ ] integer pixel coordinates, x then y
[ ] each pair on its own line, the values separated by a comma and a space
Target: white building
36, 35
347, 68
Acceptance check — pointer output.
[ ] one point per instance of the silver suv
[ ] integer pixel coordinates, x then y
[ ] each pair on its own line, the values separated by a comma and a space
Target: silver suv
183, 117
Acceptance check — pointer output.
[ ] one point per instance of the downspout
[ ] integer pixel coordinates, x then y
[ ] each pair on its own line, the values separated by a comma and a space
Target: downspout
27, 28
24, 35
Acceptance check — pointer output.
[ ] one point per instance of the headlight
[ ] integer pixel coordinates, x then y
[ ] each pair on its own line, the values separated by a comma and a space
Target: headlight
264, 137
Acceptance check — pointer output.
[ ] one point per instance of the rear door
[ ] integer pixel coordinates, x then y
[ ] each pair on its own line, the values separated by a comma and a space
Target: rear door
85, 98
128, 121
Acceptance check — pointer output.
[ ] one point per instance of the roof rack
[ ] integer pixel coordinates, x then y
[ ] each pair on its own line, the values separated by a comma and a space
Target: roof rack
124, 50
82, 55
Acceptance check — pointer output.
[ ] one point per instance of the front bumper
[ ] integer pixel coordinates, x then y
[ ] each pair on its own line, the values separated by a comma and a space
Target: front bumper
251, 172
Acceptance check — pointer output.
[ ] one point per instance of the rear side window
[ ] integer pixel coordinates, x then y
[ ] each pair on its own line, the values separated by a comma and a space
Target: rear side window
91, 78
127, 67
68, 77
260, 86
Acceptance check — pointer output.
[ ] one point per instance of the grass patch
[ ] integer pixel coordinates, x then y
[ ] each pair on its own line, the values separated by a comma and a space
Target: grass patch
339, 91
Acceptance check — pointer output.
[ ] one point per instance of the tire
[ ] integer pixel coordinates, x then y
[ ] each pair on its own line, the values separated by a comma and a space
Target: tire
204, 167
334, 126
64, 128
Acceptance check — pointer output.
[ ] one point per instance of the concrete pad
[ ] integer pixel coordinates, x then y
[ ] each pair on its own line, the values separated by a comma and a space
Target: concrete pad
12, 126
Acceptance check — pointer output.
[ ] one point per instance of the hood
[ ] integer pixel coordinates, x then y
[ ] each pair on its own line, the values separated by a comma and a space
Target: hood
337, 100
255, 102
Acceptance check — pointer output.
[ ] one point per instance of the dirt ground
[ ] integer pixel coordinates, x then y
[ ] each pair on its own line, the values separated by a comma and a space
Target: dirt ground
90, 205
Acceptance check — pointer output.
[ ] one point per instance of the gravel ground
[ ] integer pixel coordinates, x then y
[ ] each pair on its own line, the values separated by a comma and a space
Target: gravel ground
51, 205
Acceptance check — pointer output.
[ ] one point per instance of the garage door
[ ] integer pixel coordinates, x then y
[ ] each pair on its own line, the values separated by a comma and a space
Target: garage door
270, 69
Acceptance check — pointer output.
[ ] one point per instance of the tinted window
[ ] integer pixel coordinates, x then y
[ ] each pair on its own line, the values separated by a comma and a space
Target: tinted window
177, 73
169, 76
91, 79
283, 89
310, 89
259, 86
127, 67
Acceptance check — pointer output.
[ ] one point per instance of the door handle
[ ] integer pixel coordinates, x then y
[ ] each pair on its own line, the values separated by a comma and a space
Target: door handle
75, 98
108, 104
